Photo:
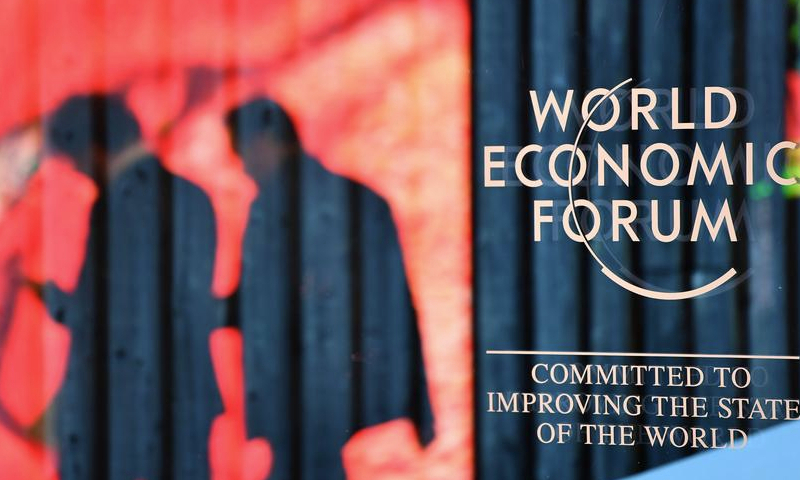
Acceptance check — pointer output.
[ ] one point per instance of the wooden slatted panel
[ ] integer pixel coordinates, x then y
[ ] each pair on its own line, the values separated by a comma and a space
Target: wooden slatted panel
80, 422
331, 351
765, 64
501, 241
137, 293
558, 263
608, 62
270, 320
793, 233
195, 313
327, 311
661, 64
81, 429
389, 350
715, 322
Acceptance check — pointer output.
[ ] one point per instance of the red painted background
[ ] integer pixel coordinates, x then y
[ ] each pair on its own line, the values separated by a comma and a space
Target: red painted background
378, 90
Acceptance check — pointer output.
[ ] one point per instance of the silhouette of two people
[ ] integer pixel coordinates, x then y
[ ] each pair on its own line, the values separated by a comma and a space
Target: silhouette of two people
330, 340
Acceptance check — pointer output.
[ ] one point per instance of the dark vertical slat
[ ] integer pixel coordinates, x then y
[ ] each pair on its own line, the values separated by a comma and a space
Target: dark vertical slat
500, 92
135, 319
267, 303
714, 317
608, 63
78, 402
195, 313
792, 229
557, 261
391, 377
422, 410
81, 420
388, 329
327, 315
270, 317
662, 31
765, 55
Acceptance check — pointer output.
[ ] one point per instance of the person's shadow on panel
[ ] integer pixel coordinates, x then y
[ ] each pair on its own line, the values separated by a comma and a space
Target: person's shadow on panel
330, 334
140, 394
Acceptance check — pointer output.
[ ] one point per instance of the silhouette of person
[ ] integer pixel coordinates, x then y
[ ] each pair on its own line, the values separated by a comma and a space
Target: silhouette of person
139, 395
329, 329
330, 340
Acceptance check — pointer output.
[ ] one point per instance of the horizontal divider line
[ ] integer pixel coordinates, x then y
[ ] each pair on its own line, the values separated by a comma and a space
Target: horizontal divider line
635, 354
